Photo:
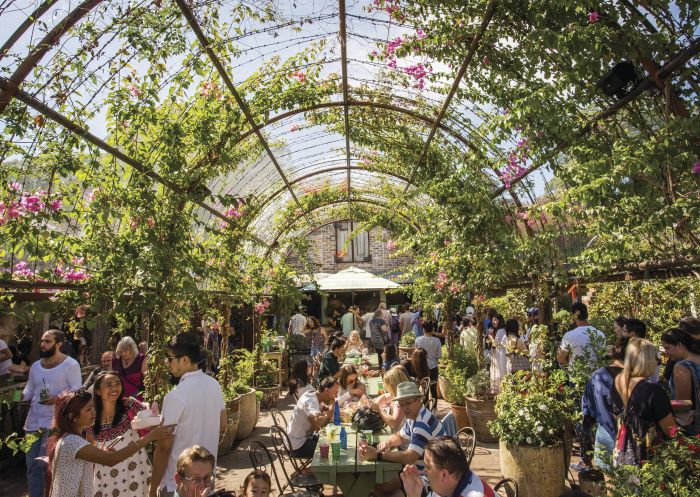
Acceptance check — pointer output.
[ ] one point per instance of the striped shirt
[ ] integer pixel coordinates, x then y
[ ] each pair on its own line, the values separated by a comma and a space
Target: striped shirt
420, 432
433, 349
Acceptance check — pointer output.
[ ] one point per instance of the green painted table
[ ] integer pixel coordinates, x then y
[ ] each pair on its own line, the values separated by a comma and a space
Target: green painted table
355, 477
371, 360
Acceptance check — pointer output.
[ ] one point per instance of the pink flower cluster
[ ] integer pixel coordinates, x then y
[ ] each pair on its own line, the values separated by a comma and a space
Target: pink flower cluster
391, 7
299, 75
135, 91
80, 311
443, 282
391, 245
261, 307
28, 204
211, 89
696, 167
294, 127
22, 269
516, 164
419, 72
593, 17
233, 212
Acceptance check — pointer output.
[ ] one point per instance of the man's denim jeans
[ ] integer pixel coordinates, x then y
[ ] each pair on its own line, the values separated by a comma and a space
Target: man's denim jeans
36, 470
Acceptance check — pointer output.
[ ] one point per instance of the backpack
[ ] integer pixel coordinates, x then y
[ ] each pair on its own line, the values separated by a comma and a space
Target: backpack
367, 419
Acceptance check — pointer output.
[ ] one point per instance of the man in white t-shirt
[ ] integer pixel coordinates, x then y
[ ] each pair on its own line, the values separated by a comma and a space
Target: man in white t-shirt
574, 342
297, 323
195, 405
48, 377
366, 318
5, 361
310, 415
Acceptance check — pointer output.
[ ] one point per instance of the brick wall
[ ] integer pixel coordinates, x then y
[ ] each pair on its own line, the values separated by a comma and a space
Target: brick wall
323, 248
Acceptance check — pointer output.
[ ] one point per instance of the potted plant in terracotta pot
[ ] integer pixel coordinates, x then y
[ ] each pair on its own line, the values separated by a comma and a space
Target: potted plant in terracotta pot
266, 382
407, 344
453, 382
481, 406
533, 411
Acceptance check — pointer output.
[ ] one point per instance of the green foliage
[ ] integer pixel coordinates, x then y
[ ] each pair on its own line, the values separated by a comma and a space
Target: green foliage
456, 372
408, 339
532, 409
479, 386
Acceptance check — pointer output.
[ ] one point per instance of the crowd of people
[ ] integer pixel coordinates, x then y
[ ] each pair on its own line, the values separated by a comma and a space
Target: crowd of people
84, 444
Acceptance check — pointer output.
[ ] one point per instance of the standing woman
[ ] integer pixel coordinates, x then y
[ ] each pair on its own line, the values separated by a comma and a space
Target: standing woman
113, 415
643, 408
499, 366
516, 349
71, 457
315, 335
380, 334
685, 379
131, 367
419, 365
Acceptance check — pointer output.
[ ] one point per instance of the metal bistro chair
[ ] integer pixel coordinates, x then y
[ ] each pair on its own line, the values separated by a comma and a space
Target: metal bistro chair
466, 438
424, 389
283, 450
509, 486
278, 418
431, 405
262, 459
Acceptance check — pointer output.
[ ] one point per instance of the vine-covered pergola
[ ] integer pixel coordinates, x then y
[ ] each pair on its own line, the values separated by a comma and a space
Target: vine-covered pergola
167, 151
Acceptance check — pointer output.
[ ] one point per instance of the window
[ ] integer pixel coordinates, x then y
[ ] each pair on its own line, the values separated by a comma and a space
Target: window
356, 250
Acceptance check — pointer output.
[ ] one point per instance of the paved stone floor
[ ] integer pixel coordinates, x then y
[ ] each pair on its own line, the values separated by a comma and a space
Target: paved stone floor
233, 467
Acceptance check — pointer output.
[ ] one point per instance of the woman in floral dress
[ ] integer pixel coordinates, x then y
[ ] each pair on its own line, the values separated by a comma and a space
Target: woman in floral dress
315, 335
113, 414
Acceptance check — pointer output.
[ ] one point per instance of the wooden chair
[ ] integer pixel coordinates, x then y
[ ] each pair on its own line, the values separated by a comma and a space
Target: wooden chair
466, 438
278, 418
298, 479
509, 486
262, 459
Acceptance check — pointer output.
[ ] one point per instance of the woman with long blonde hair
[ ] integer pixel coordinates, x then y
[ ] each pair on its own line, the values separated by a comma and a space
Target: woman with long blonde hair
643, 408
354, 343
395, 418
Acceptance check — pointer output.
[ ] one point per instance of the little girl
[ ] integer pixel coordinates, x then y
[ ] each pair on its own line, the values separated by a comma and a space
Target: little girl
256, 484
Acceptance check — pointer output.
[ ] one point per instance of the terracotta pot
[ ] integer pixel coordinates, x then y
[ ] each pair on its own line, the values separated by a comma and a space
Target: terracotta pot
539, 471
249, 414
270, 396
442, 388
233, 417
460, 414
480, 413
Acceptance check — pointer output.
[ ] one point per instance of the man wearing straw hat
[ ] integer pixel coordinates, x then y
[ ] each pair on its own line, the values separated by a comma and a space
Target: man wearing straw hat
421, 427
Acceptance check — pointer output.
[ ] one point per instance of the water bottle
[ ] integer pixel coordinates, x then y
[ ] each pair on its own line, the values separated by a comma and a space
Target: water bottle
343, 439
336, 414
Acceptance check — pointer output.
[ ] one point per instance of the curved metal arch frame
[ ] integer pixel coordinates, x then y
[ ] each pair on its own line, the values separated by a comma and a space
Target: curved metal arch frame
275, 241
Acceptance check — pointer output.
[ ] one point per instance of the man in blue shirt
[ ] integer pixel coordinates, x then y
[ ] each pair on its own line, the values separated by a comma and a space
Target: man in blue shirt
421, 427
417, 321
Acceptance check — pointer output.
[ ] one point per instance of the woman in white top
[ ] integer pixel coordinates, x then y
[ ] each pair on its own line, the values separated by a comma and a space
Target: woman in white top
71, 457
395, 417
350, 389
499, 366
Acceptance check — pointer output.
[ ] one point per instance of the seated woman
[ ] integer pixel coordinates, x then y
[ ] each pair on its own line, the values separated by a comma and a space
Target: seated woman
331, 360
390, 356
300, 381
354, 343
350, 390
394, 418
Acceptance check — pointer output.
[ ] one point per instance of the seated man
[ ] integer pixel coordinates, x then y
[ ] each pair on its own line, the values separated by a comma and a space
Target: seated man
312, 412
420, 427
447, 472
330, 366
194, 472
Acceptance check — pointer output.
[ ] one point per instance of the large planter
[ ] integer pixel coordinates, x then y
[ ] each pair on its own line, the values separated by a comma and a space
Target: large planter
459, 412
249, 415
270, 396
539, 471
406, 350
480, 412
233, 417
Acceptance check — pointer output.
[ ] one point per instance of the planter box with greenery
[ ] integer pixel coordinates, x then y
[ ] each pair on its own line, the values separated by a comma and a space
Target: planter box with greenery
407, 344
481, 406
267, 382
454, 381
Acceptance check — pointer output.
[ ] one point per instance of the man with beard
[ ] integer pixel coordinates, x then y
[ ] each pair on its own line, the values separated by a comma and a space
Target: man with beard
48, 377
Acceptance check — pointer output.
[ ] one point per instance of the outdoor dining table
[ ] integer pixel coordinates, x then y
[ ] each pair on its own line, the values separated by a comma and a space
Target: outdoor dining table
354, 476
372, 384
358, 361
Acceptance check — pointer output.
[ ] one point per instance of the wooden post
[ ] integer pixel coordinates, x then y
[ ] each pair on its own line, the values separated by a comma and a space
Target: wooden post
100, 335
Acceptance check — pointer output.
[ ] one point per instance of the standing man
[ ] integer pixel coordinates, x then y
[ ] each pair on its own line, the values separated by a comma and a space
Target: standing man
366, 318
311, 413
349, 321
386, 313
447, 472
405, 318
195, 472
634, 328
48, 377
297, 323
421, 427
417, 321
574, 343
195, 405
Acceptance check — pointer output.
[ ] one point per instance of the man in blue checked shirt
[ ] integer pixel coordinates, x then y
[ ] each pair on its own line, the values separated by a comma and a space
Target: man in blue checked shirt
421, 427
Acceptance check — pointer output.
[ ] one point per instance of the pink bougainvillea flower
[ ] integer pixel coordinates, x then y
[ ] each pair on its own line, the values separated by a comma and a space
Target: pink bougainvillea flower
80, 311
696, 167
393, 45
13, 210
420, 34
78, 261
150, 222
391, 245
15, 186
55, 205
32, 203
593, 17
392, 63
135, 91
299, 75
294, 127
485, 61
134, 222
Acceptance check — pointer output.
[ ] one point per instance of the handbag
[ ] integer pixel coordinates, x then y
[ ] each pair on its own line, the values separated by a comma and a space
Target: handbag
367, 419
